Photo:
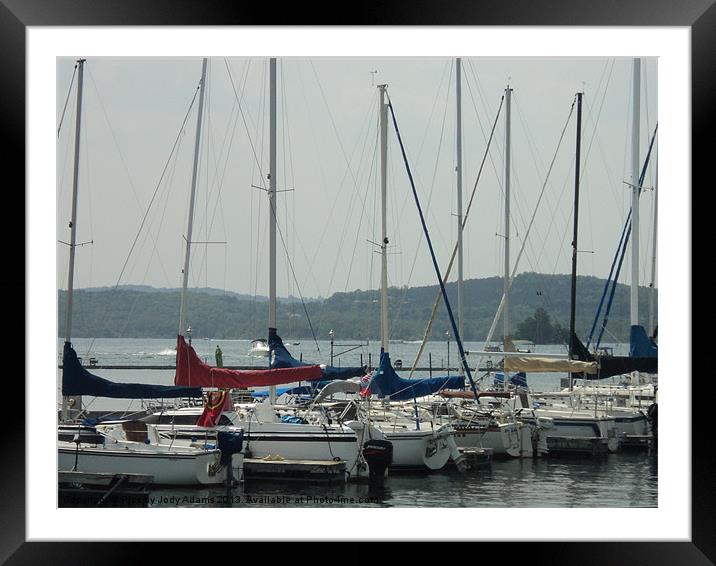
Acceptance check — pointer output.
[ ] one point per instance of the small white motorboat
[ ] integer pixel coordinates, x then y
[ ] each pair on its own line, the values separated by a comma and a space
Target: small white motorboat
135, 447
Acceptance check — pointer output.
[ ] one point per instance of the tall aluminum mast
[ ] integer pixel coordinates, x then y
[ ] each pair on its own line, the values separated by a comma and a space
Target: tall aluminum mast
460, 288
272, 205
74, 402
636, 189
577, 171
385, 331
192, 197
506, 292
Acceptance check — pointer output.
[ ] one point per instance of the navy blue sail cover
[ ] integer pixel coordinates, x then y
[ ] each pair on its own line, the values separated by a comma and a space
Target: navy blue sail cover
282, 358
640, 344
76, 380
610, 366
386, 383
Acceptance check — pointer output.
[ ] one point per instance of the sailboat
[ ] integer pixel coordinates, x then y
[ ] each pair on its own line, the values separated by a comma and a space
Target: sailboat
573, 430
129, 447
191, 376
563, 428
265, 433
634, 400
430, 447
481, 422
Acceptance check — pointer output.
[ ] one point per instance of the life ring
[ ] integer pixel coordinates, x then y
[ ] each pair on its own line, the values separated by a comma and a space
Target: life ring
213, 395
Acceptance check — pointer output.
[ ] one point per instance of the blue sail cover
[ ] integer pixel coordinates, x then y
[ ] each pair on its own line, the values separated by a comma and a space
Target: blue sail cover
386, 383
610, 366
76, 380
640, 344
282, 358
311, 389
519, 379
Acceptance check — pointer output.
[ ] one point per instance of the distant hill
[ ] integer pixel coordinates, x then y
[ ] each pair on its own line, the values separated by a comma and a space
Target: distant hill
206, 290
145, 312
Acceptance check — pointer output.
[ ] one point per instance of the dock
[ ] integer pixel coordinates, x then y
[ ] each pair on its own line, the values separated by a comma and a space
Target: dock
636, 442
83, 489
324, 471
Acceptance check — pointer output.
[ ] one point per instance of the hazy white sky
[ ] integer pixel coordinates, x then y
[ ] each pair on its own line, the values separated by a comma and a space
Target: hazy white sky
327, 154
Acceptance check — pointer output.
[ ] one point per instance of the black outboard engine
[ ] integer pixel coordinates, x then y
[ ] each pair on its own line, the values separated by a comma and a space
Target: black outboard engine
229, 443
379, 455
652, 415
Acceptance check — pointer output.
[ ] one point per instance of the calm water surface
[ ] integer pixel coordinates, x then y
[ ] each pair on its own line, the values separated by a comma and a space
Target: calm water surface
617, 480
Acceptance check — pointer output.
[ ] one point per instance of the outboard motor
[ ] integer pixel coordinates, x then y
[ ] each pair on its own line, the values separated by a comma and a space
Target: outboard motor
379, 455
229, 443
652, 416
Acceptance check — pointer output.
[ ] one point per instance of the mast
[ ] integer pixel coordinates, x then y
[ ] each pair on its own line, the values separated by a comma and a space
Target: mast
506, 291
190, 222
75, 401
652, 283
635, 189
272, 204
460, 296
384, 219
573, 301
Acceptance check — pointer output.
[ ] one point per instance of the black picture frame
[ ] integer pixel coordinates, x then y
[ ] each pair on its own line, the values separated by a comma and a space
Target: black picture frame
698, 15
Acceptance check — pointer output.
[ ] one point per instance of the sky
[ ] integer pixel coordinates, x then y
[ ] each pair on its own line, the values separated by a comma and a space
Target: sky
134, 182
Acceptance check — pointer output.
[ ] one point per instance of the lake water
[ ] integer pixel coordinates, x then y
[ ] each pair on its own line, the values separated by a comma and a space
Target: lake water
625, 479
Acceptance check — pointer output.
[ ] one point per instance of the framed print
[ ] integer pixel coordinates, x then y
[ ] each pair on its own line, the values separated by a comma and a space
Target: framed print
664, 516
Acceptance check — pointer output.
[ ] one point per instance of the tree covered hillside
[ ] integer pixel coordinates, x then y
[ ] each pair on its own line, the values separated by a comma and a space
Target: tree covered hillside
147, 313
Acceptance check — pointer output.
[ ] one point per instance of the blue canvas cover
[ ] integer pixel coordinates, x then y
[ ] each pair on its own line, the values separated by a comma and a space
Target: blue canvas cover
282, 358
519, 379
386, 383
640, 344
610, 366
311, 389
76, 380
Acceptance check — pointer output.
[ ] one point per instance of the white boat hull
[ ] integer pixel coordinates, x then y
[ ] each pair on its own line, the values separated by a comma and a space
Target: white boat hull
420, 449
168, 468
287, 441
571, 424
503, 438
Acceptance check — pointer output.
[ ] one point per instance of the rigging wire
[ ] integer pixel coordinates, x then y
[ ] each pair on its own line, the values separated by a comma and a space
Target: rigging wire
335, 128
273, 212
438, 299
259, 216
319, 168
371, 169
529, 227
456, 334
156, 189
218, 180
346, 224
124, 163
432, 187
69, 91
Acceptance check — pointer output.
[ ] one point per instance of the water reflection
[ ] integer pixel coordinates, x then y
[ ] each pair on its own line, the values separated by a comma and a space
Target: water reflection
618, 480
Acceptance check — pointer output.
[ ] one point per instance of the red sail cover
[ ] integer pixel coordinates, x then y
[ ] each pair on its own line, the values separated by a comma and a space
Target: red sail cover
191, 371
